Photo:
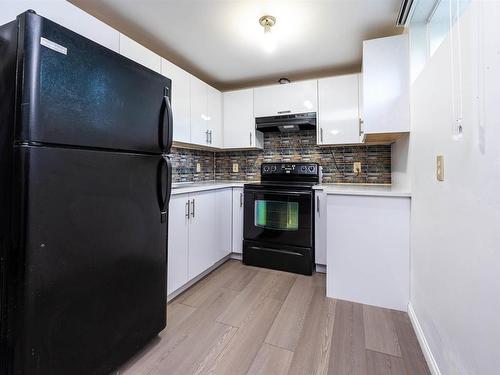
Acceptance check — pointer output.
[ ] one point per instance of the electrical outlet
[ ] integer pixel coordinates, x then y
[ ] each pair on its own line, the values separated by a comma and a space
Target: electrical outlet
356, 168
236, 167
440, 168
198, 167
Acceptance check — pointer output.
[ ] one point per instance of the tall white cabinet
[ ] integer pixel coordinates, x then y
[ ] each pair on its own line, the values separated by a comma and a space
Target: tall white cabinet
181, 100
239, 120
386, 88
338, 114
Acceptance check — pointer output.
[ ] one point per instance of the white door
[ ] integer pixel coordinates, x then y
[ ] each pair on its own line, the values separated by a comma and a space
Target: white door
181, 99
199, 112
140, 54
296, 97
237, 220
339, 110
223, 220
215, 117
202, 232
239, 121
178, 242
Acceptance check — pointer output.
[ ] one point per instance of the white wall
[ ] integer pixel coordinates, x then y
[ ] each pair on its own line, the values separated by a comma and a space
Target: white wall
455, 239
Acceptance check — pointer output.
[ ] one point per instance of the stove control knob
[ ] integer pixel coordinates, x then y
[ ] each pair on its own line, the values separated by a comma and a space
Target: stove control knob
266, 168
273, 168
312, 168
303, 168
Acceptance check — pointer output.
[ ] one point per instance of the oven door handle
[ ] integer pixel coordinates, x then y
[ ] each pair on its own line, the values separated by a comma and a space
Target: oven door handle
279, 192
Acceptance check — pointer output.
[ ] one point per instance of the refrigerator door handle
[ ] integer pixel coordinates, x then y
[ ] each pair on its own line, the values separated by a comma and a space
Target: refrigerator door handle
166, 123
164, 192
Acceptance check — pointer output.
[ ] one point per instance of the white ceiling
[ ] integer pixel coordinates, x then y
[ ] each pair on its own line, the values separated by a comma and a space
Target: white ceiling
221, 41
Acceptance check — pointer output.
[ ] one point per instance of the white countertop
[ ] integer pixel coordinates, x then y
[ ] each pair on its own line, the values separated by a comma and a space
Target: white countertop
192, 187
363, 189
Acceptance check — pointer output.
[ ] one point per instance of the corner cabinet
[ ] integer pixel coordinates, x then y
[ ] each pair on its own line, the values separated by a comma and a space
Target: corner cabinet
239, 120
386, 88
214, 110
338, 113
181, 101
295, 97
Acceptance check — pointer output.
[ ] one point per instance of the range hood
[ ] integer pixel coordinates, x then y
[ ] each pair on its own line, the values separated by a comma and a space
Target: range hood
286, 123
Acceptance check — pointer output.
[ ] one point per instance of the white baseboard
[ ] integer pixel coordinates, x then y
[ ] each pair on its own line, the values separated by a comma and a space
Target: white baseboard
431, 361
237, 256
320, 268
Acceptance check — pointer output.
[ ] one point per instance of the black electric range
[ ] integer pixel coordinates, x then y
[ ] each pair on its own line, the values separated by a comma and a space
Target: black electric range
279, 218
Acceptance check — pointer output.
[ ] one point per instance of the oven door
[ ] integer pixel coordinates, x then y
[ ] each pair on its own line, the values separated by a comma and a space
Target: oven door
278, 216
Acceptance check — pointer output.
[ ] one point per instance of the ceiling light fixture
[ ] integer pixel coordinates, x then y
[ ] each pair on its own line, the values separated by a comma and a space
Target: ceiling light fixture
267, 22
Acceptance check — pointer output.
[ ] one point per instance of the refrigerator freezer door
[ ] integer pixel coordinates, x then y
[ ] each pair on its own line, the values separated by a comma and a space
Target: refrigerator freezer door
78, 93
95, 258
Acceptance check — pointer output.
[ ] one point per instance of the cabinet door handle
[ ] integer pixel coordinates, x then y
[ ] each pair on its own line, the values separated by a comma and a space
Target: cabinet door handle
360, 126
187, 210
241, 199
206, 133
192, 210
283, 112
321, 134
317, 204
250, 138
210, 133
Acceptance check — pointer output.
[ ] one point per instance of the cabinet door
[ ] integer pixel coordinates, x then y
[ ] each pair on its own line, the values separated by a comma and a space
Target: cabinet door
386, 85
297, 97
67, 15
202, 232
338, 110
178, 242
199, 113
180, 100
223, 220
215, 117
320, 227
239, 121
140, 54
237, 220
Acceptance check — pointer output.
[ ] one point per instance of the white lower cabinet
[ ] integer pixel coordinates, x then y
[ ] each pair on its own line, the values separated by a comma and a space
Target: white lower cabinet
178, 242
368, 250
320, 225
237, 238
199, 234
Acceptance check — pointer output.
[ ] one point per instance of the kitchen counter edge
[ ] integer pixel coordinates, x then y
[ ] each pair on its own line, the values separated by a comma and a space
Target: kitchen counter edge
363, 190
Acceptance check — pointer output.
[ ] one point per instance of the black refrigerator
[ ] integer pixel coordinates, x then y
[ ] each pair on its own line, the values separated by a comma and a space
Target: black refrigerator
84, 190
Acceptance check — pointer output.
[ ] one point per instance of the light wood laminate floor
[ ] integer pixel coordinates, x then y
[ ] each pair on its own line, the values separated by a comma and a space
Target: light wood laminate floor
244, 320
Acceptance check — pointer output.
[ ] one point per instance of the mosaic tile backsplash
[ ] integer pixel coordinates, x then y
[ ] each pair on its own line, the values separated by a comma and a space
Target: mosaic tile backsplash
337, 162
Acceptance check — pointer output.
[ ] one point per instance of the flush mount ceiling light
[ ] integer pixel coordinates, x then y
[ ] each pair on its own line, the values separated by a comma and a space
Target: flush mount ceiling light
267, 22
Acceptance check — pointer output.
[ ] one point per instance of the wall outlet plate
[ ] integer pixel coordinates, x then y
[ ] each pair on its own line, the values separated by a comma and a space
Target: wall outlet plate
356, 168
440, 168
198, 167
236, 167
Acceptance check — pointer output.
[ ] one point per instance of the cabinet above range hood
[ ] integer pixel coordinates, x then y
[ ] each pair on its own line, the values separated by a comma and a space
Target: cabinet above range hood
286, 123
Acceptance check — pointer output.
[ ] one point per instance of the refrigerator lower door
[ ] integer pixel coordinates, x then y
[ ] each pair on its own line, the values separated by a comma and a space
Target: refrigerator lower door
95, 258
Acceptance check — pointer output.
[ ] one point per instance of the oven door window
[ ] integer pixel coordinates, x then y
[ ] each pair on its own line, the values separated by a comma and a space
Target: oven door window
277, 215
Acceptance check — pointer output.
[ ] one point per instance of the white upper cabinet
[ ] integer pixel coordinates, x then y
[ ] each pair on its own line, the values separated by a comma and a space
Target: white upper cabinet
140, 54
386, 90
180, 100
296, 97
67, 15
199, 112
239, 121
214, 117
339, 120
